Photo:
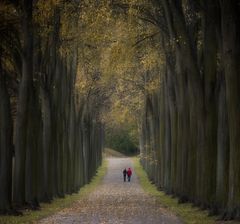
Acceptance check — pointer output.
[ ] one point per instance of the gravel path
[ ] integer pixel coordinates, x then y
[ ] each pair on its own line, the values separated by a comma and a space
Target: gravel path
115, 201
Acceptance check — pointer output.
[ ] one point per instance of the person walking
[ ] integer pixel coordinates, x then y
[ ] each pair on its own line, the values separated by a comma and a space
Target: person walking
129, 174
124, 174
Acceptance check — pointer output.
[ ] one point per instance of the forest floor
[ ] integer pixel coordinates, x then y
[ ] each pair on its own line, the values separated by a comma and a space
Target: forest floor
115, 201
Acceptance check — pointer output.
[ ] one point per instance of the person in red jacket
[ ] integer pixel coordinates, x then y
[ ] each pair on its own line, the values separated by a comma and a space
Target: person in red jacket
129, 174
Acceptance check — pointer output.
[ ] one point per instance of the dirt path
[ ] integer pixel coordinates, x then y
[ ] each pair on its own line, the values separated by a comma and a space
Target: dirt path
115, 201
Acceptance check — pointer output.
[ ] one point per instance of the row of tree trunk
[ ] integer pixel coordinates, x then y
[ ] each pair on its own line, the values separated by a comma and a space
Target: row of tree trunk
53, 144
190, 135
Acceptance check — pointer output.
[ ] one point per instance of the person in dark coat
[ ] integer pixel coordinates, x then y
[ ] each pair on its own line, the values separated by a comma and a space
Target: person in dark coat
129, 174
124, 174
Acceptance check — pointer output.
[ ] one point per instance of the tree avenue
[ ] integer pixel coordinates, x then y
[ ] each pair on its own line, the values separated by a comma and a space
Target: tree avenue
168, 68
51, 136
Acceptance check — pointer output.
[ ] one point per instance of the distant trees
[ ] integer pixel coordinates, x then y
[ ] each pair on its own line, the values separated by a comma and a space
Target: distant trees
58, 134
189, 140
121, 136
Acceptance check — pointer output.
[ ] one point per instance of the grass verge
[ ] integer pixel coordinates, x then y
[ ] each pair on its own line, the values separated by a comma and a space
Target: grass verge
187, 213
57, 204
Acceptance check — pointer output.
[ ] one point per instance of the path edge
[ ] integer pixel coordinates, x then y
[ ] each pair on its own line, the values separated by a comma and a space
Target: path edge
58, 204
185, 212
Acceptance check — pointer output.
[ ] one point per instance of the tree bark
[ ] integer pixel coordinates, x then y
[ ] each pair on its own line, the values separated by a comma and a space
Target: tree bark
223, 150
23, 101
231, 56
6, 145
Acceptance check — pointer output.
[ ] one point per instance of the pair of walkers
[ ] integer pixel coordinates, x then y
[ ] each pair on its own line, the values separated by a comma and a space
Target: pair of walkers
128, 174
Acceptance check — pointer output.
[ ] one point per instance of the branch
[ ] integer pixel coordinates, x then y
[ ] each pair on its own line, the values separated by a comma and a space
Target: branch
154, 22
145, 38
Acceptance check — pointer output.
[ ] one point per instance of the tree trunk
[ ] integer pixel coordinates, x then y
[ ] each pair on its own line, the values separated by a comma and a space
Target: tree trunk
223, 150
210, 71
47, 147
6, 146
22, 108
32, 151
231, 56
